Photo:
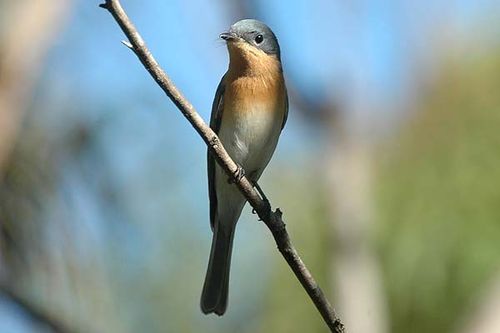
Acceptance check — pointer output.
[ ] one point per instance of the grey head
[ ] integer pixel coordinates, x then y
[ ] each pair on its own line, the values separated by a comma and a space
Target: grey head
256, 34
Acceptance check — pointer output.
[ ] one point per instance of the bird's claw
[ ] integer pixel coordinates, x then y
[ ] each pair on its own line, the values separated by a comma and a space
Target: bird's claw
267, 208
267, 204
238, 174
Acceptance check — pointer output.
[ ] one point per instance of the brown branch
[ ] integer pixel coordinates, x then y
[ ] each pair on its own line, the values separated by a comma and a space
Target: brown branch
273, 220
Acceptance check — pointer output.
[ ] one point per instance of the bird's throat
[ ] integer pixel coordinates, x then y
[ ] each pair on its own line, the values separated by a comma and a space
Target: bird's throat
247, 60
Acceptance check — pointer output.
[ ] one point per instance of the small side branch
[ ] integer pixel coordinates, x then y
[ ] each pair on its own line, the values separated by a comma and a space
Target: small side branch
273, 220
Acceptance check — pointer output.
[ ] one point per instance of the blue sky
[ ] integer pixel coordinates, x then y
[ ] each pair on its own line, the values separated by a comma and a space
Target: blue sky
367, 48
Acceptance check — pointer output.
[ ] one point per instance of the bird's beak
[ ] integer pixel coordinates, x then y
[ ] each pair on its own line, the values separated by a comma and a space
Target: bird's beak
228, 36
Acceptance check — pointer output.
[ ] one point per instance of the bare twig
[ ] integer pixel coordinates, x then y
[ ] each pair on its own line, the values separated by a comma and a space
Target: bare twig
273, 220
127, 44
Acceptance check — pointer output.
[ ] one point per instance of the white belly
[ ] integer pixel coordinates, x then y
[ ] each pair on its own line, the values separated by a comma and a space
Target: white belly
251, 137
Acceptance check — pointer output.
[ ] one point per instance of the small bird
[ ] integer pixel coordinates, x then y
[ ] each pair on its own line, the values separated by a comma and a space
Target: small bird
248, 113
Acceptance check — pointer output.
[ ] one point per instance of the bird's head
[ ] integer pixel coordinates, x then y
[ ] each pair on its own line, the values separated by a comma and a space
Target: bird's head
251, 40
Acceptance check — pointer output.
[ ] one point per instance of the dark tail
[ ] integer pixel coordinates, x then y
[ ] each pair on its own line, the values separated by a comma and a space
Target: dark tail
215, 288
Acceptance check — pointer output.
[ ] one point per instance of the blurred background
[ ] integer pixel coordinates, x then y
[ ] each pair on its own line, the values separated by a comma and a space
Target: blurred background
388, 171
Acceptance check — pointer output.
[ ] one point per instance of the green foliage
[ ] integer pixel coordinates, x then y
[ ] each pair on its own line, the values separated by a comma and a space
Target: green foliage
287, 306
438, 195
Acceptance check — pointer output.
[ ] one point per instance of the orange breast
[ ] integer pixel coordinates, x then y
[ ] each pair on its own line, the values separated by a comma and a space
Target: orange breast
254, 82
244, 92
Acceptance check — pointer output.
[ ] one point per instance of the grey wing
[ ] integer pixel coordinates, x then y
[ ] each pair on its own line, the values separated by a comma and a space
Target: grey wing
215, 121
285, 117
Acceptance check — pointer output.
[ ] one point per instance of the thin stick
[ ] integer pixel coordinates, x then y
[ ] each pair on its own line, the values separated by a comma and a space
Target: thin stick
273, 220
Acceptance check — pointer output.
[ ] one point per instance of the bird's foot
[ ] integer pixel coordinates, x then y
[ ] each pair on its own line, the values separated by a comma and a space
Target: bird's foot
267, 204
261, 193
238, 174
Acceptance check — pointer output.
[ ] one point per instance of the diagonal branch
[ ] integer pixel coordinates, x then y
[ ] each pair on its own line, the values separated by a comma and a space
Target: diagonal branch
273, 220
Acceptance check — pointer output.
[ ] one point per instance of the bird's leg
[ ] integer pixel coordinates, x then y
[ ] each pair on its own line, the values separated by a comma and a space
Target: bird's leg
257, 187
263, 196
238, 174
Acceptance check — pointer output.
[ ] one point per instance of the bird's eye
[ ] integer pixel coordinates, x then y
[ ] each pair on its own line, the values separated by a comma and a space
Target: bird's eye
259, 39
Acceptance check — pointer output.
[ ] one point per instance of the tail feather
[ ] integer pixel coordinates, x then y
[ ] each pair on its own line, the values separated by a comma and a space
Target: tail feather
215, 288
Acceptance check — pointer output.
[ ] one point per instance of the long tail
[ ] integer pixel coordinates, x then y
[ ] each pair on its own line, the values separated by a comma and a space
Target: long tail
215, 288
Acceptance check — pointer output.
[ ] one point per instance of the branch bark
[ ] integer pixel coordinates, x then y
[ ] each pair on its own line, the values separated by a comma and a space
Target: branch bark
273, 220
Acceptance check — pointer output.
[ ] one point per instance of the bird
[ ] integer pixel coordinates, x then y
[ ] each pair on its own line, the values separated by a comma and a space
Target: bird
249, 111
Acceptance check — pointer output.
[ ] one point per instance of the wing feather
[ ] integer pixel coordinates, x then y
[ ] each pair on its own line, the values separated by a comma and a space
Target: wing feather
285, 116
215, 122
